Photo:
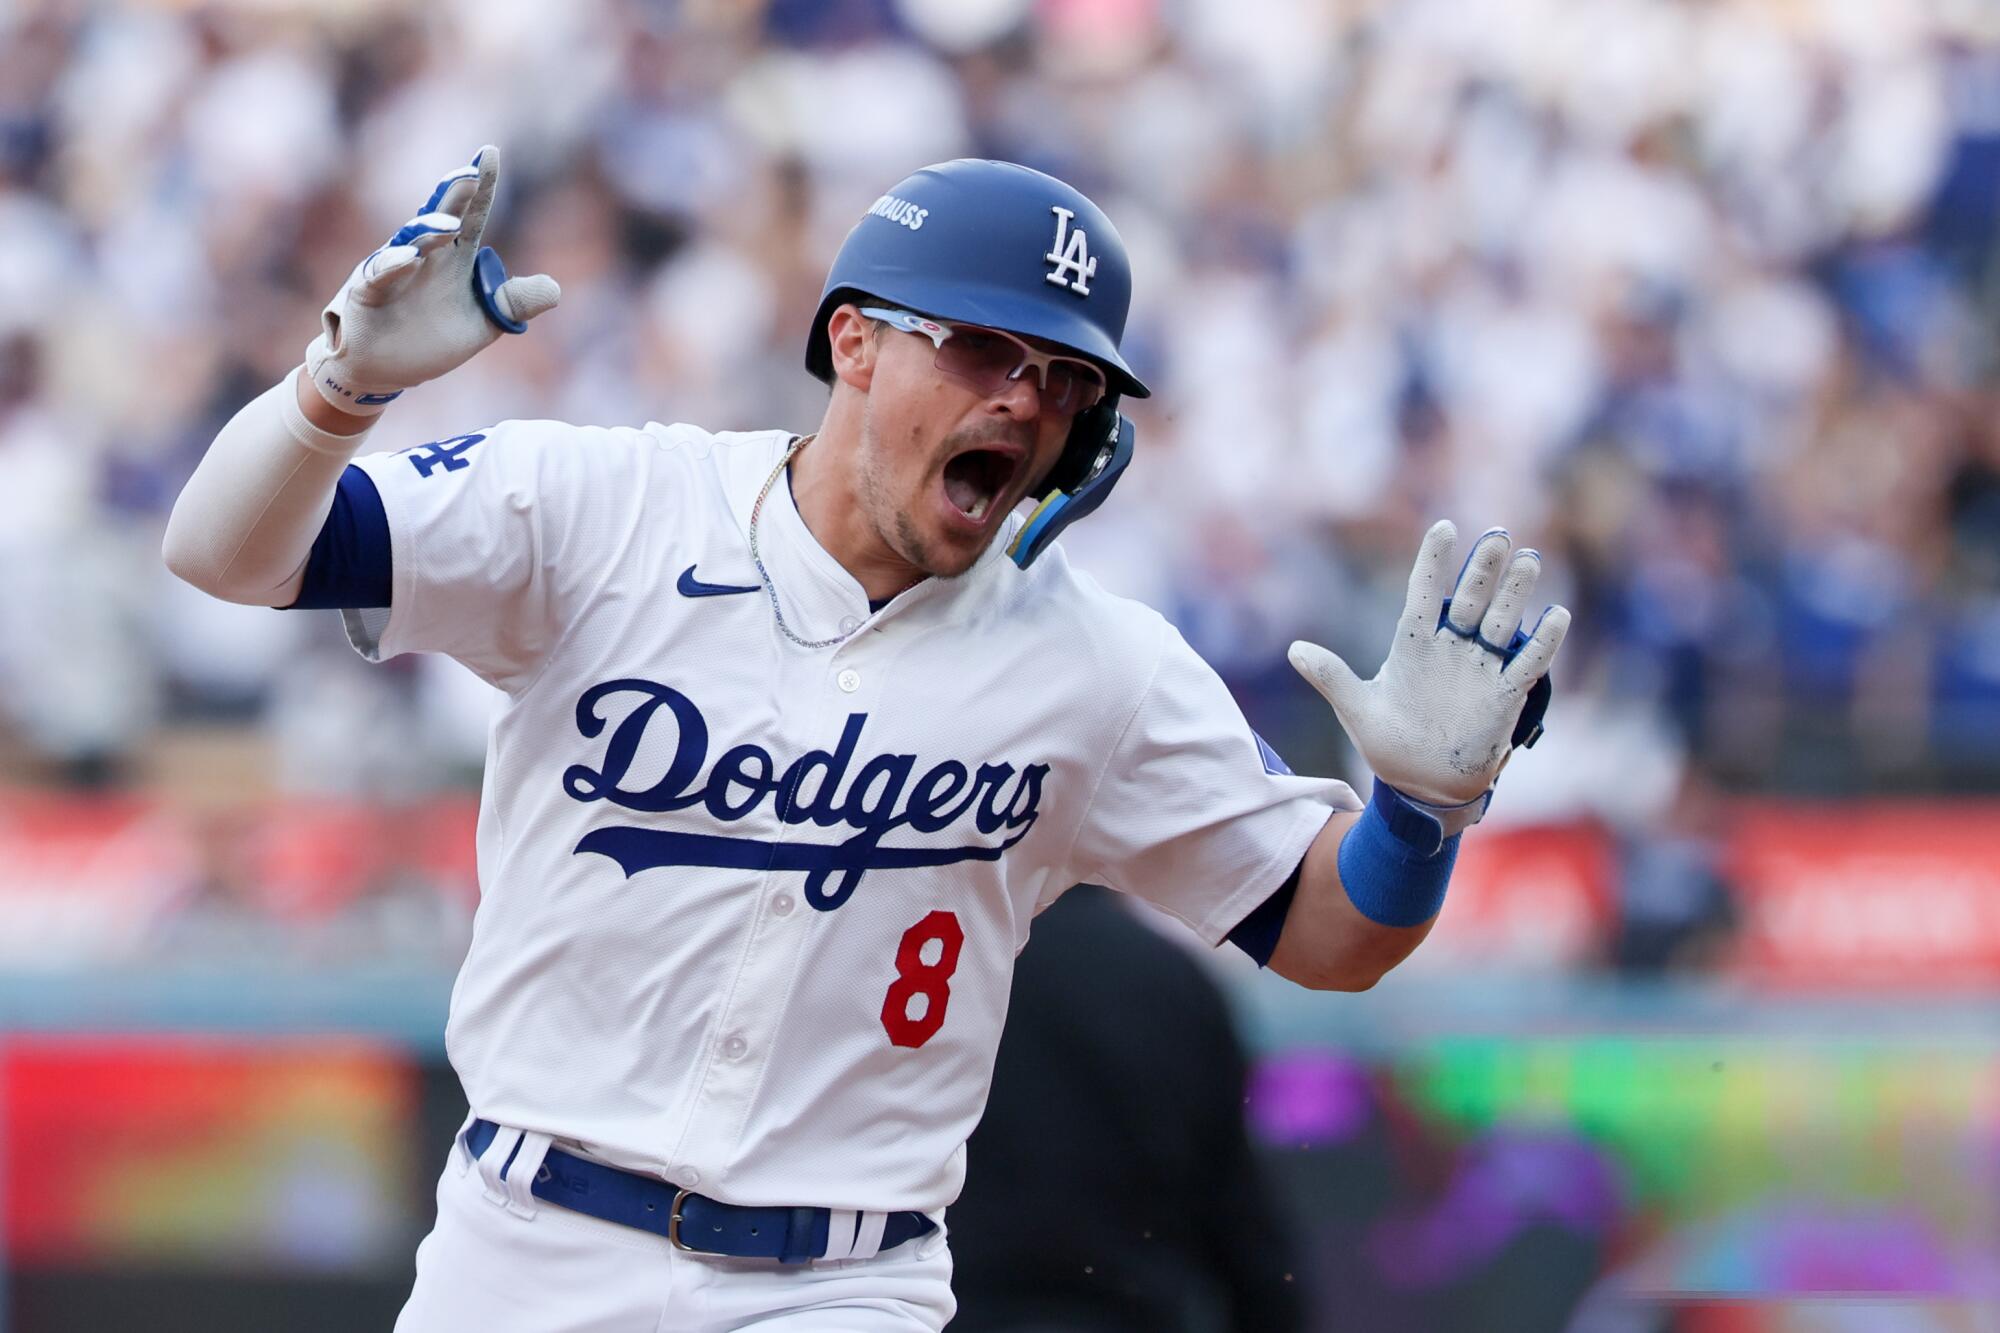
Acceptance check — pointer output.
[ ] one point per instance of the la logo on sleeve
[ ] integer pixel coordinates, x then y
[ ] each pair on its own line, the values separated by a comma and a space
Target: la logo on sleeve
1073, 265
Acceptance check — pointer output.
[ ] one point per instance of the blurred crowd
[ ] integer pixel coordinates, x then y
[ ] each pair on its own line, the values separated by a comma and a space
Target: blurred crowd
1699, 298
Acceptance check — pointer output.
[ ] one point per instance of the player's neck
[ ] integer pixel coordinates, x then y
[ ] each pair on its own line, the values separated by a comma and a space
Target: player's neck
823, 493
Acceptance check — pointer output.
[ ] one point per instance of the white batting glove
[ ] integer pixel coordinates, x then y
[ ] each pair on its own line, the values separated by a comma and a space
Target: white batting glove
426, 301
1438, 720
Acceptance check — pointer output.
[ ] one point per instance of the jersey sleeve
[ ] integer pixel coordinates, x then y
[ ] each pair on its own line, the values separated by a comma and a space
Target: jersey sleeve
1193, 812
495, 539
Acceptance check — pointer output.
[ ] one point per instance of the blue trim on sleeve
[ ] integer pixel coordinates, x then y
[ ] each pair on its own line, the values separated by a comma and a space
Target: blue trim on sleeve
350, 564
1274, 763
1257, 934
1390, 879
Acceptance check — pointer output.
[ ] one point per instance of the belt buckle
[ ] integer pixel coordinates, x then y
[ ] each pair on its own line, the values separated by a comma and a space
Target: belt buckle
674, 1225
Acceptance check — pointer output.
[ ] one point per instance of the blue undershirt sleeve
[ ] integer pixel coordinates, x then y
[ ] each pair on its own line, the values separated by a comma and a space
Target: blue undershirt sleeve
350, 561
1257, 934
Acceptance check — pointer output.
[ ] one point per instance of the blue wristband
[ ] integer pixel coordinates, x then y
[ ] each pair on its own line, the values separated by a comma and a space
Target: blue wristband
1392, 863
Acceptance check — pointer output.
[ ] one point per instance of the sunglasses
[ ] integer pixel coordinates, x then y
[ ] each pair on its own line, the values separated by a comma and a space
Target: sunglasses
986, 359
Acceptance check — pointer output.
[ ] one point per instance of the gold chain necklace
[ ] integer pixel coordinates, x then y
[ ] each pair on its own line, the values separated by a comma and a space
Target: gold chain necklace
756, 511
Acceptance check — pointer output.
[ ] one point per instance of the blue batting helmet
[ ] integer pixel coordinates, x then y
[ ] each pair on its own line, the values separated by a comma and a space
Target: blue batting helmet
991, 243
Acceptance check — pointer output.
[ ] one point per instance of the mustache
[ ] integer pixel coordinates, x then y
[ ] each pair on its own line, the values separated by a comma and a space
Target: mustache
996, 433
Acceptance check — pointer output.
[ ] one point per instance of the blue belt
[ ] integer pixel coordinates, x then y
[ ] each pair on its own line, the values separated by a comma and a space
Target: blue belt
690, 1221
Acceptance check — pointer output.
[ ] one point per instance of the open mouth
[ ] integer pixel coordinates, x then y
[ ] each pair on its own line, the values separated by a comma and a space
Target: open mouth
976, 479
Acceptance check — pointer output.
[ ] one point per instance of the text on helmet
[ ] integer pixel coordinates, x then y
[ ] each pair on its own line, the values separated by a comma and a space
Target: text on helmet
899, 210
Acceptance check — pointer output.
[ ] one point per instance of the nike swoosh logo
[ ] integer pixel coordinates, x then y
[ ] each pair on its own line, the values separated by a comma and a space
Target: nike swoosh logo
690, 586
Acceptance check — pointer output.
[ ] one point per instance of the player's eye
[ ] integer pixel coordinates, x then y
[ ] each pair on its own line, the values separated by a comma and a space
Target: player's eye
977, 347
1072, 386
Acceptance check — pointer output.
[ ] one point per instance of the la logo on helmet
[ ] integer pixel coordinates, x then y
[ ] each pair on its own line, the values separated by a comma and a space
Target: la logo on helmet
1074, 268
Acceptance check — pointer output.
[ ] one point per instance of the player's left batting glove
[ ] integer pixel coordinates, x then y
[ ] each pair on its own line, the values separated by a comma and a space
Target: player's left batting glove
1461, 686
425, 302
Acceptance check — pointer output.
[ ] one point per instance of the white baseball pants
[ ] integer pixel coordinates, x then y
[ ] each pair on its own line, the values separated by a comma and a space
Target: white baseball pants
502, 1261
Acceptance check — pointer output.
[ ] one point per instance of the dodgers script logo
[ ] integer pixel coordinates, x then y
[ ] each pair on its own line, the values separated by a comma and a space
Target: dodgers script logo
882, 798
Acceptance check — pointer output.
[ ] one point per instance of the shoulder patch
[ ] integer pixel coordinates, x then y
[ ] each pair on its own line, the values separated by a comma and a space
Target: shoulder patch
442, 455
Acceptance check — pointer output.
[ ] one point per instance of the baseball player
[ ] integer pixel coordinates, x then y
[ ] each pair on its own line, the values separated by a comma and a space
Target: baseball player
799, 736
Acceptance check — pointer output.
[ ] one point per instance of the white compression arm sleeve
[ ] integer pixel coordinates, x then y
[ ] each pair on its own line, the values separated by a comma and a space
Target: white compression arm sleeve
246, 520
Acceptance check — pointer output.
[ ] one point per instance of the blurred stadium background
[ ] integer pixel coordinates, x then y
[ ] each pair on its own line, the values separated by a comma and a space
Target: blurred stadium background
1698, 296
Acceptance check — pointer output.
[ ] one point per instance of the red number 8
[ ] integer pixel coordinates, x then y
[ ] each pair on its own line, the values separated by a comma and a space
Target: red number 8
916, 977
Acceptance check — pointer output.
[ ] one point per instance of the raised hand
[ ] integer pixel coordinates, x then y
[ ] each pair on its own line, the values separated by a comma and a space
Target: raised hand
1439, 719
425, 302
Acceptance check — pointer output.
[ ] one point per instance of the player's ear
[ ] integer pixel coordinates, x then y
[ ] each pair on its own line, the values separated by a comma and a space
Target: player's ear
852, 339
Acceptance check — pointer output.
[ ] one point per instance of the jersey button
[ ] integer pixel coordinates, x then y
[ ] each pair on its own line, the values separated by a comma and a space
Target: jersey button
687, 1177
848, 624
735, 1048
849, 680
782, 905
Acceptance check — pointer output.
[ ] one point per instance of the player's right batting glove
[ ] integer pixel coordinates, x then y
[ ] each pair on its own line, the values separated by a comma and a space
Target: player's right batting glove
1447, 708
425, 302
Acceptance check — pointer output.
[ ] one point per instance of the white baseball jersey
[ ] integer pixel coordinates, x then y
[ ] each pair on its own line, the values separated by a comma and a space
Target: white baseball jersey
749, 910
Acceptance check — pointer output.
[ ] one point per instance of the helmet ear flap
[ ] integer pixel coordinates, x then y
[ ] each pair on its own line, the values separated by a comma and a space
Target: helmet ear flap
1098, 451
1090, 435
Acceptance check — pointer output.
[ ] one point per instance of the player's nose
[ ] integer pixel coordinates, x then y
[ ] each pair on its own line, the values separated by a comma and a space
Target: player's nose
1019, 397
